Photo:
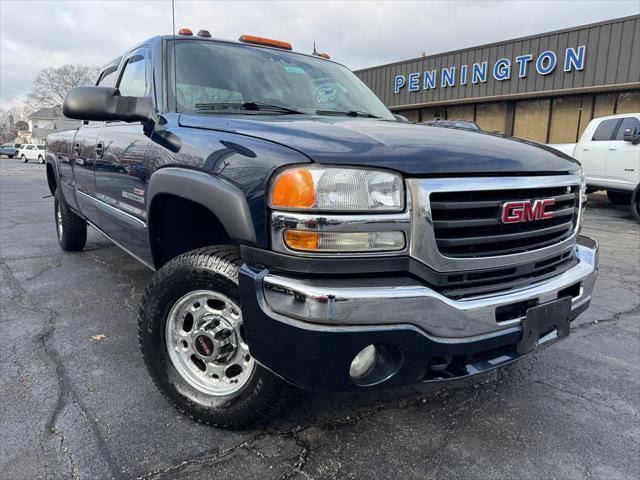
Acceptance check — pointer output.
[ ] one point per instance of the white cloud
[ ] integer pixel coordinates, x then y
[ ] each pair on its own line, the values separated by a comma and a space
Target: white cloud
38, 34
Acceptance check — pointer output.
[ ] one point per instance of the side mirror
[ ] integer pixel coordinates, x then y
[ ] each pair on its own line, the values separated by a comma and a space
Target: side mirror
104, 104
631, 135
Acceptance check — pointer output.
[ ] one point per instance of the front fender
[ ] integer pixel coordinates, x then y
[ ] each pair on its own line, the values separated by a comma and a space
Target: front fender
226, 201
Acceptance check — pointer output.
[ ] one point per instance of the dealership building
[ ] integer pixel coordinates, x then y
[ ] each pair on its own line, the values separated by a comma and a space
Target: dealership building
544, 88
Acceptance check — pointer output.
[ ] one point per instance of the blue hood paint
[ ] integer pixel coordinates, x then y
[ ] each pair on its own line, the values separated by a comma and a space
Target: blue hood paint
410, 149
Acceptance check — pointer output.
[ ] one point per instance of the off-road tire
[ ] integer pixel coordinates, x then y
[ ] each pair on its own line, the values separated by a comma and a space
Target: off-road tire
24, 158
216, 269
619, 198
70, 228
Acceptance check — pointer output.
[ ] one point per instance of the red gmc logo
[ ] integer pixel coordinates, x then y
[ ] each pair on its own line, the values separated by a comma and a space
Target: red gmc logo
526, 210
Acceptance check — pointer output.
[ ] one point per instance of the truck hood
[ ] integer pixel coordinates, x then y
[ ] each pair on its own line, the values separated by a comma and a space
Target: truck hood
410, 149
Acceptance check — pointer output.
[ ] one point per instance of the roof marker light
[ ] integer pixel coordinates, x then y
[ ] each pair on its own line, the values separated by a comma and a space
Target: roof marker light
204, 33
185, 31
265, 41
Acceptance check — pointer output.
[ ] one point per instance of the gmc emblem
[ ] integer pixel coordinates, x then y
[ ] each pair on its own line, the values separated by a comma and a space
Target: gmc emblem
526, 210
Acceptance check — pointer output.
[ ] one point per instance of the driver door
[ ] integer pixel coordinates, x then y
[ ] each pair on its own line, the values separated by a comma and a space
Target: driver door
121, 167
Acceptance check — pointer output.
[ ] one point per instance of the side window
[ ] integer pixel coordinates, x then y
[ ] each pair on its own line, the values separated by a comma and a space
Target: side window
108, 77
629, 122
134, 82
605, 130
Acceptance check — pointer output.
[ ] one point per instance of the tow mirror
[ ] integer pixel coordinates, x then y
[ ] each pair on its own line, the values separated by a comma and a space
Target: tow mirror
631, 135
104, 104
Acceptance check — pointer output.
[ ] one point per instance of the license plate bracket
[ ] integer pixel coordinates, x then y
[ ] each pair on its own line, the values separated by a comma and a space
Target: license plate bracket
541, 319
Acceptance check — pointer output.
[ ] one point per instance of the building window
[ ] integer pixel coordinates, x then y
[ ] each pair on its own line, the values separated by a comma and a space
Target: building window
628, 102
532, 120
460, 112
605, 104
565, 115
491, 116
411, 115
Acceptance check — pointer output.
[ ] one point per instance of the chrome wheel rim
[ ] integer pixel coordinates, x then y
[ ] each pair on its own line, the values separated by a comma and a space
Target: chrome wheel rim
59, 221
204, 338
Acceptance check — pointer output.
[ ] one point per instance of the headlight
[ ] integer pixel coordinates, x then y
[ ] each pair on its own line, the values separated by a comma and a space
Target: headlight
316, 188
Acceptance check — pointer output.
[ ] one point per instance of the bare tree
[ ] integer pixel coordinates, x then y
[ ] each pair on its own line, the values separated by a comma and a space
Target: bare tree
52, 84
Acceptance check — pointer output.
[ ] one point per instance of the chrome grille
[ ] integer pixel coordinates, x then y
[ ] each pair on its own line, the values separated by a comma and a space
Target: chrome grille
468, 224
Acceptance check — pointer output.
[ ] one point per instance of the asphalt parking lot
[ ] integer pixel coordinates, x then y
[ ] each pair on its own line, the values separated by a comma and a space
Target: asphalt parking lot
76, 401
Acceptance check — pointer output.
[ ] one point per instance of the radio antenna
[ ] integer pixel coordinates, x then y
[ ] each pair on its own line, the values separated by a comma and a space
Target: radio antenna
175, 68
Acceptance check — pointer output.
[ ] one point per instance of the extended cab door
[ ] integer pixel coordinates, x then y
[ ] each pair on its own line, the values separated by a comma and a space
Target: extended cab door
85, 153
593, 148
121, 169
622, 166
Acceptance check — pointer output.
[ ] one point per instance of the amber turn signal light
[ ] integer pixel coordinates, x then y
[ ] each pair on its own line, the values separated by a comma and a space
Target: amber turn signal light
299, 240
293, 189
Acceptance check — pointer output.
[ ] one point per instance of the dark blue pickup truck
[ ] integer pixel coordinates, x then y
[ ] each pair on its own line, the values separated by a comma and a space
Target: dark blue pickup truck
301, 234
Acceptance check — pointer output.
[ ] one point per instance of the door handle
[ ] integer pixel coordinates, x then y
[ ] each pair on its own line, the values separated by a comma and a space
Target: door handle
76, 149
585, 149
613, 149
99, 149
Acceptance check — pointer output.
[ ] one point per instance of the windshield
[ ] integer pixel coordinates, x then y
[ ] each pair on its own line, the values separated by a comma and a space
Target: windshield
210, 73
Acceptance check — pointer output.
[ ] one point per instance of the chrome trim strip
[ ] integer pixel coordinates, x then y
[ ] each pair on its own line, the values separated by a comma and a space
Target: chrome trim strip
337, 222
117, 244
423, 245
378, 302
117, 210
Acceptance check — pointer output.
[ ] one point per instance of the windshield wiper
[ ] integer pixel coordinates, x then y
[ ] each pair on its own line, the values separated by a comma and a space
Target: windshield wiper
250, 106
349, 113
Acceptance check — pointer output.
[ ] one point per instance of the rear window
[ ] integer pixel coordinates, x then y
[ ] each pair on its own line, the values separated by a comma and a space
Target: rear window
605, 130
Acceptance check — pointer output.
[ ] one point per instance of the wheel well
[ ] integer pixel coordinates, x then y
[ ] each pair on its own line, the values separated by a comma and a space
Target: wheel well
51, 179
177, 225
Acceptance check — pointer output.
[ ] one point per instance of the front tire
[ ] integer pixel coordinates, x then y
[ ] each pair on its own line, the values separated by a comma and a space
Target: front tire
635, 204
191, 335
40, 159
619, 198
24, 158
70, 228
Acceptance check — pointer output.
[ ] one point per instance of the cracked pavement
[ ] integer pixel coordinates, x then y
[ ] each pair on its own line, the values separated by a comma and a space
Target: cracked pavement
75, 407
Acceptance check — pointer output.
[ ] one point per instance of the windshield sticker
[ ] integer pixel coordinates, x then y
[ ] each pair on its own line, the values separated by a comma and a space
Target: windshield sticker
326, 94
292, 69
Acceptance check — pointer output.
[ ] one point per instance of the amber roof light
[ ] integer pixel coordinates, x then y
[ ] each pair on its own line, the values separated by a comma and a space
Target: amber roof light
185, 31
265, 41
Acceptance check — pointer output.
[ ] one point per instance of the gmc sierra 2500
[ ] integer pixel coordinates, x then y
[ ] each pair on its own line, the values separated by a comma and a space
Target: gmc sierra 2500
301, 235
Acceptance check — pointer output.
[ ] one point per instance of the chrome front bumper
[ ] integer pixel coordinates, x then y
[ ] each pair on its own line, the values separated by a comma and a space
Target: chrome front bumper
370, 301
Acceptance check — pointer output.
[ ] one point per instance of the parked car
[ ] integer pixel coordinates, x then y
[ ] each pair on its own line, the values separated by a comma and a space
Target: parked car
31, 151
10, 149
609, 151
461, 124
300, 234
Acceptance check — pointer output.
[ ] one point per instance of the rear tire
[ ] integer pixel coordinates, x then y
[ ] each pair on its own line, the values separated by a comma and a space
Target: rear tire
24, 158
619, 198
70, 228
189, 301
10, 156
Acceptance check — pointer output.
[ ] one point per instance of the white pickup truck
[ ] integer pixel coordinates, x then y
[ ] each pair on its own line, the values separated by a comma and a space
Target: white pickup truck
609, 151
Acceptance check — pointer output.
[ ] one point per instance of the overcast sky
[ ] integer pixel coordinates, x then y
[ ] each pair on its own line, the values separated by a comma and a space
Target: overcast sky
38, 34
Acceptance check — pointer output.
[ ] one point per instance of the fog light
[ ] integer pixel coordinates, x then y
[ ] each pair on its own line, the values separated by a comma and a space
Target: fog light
363, 362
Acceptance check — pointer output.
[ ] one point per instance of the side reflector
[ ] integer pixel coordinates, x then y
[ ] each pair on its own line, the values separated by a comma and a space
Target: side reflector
185, 31
265, 41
